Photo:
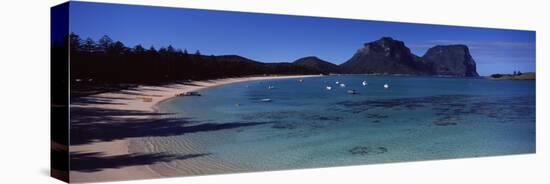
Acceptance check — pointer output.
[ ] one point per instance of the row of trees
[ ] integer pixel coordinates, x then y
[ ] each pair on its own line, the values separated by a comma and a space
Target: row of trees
106, 45
106, 61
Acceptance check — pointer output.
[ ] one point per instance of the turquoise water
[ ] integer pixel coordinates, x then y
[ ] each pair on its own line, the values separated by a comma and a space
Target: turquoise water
305, 125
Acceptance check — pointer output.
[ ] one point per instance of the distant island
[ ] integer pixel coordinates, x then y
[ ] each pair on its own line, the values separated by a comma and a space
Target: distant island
514, 76
101, 62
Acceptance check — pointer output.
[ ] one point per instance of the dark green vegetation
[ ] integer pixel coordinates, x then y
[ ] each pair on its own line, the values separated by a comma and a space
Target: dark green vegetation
515, 76
111, 65
315, 63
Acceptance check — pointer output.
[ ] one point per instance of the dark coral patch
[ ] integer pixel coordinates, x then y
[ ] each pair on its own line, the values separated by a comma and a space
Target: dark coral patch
365, 150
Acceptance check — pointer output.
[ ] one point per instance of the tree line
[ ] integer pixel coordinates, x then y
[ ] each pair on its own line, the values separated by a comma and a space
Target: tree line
106, 61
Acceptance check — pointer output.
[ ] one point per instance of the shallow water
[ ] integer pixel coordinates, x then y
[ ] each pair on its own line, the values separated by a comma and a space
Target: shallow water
305, 125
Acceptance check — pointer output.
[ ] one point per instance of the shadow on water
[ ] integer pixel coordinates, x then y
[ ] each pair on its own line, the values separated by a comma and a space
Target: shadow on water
95, 161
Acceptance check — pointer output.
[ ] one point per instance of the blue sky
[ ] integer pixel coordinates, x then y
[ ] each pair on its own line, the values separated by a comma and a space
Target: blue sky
283, 38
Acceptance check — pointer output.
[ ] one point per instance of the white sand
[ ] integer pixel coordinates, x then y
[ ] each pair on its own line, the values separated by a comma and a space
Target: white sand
145, 98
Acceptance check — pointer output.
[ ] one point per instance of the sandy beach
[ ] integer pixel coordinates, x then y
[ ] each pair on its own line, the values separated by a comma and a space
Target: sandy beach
117, 157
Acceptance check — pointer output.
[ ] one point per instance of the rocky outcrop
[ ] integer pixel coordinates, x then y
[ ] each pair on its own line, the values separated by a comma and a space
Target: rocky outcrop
384, 56
452, 60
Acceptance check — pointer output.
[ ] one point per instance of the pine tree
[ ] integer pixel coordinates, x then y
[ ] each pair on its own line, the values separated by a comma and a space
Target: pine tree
105, 43
89, 45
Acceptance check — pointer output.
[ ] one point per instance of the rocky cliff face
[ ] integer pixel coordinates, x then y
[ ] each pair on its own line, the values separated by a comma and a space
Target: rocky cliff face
389, 56
316, 64
454, 60
384, 56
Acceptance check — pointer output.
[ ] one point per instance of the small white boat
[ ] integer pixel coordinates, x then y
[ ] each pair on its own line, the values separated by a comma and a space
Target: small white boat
301, 80
365, 83
386, 86
270, 87
328, 88
351, 91
265, 100
343, 85
337, 82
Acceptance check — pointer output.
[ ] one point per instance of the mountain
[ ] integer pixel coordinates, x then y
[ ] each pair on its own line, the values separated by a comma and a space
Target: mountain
389, 56
453, 60
384, 56
316, 64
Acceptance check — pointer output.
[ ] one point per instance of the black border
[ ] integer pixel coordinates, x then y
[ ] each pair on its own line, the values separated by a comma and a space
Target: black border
59, 88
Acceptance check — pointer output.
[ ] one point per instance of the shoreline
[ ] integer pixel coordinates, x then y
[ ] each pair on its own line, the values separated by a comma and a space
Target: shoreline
146, 99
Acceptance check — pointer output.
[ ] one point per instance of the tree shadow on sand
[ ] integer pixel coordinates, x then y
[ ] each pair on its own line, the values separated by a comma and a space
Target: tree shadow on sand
89, 125
97, 125
95, 161
92, 124
96, 100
